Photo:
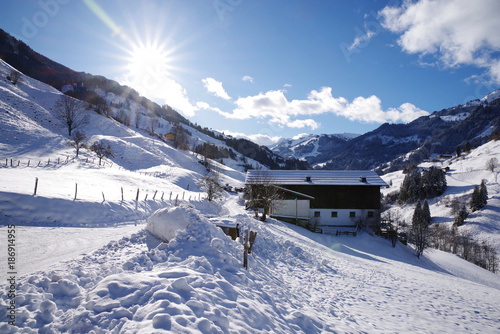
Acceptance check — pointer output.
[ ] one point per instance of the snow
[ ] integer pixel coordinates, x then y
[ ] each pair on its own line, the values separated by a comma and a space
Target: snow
90, 264
455, 118
464, 173
164, 223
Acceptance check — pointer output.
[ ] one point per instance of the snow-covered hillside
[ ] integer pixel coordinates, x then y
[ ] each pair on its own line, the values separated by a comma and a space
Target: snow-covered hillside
87, 264
464, 173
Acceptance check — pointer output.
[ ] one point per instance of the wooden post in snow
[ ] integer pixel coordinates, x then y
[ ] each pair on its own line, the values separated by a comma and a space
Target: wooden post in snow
76, 190
137, 197
122, 194
245, 249
247, 245
154, 196
103, 198
36, 186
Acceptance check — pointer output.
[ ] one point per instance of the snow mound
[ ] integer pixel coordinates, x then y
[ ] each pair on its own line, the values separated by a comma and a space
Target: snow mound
164, 223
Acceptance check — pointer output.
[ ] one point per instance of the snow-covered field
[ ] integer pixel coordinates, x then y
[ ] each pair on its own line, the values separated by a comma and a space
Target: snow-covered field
88, 265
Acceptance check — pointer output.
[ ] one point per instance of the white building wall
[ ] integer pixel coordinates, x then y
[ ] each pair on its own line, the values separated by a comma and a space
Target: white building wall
343, 216
291, 208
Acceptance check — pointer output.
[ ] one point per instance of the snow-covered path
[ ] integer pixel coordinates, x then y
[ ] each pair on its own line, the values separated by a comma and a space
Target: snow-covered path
45, 248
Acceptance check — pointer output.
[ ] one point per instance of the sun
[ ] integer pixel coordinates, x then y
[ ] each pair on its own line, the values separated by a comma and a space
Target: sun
148, 66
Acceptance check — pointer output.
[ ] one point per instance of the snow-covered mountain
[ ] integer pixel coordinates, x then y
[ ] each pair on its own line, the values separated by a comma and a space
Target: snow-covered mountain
82, 261
309, 146
389, 144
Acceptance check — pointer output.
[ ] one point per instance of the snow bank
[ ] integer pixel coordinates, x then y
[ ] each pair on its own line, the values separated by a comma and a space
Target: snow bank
165, 223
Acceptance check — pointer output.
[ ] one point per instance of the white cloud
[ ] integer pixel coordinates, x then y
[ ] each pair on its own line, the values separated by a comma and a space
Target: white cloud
215, 87
258, 138
457, 32
162, 90
247, 78
274, 105
361, 39
205, 106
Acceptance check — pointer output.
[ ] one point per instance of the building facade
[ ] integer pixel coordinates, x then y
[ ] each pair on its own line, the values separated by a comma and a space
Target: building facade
324, 198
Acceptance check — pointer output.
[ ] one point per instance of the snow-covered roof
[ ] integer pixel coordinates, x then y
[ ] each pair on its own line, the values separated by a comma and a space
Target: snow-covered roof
315, 177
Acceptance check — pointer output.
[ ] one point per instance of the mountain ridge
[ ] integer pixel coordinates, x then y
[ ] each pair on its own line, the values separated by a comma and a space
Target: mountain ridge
390, 146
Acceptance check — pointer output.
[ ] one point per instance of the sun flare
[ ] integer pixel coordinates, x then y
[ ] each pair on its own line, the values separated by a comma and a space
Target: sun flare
148, 66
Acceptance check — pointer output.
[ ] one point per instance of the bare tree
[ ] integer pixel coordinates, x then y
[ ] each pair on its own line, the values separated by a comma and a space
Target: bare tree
103, 109
78, 141
71, 112
181, 140
263, 192
102, 150
210, 183
14, 77
154, 123
137, 118
491, 165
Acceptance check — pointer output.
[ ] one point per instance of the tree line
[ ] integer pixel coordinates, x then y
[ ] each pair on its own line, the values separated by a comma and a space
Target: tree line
421, 185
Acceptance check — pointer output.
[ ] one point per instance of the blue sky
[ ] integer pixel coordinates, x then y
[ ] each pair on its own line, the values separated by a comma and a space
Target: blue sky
272, 69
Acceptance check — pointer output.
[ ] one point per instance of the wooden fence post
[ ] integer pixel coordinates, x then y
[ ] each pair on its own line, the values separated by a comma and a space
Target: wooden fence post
146, 198
122, 194
137, 197
247, 245
36, 186
162, 193
29, 163
245, 249
76, 190
103, 198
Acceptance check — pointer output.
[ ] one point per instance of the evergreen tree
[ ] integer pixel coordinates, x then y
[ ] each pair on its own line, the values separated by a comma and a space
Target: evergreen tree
426, 213
467, 147
483, 191
410, 190
459, 152
419, 229
475, 202
461, 216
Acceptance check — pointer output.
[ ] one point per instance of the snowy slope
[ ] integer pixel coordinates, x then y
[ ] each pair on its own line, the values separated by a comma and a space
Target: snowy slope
464, 173
88, 264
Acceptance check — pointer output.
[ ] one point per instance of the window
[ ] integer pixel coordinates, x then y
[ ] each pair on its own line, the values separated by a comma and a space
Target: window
334, 214
317, 214
371, 214
352, 214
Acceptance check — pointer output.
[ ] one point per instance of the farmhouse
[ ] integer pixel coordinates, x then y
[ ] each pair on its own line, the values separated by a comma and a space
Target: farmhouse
324, 200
